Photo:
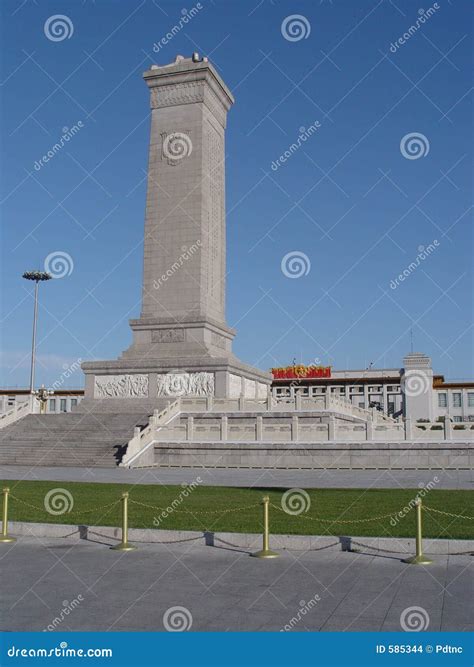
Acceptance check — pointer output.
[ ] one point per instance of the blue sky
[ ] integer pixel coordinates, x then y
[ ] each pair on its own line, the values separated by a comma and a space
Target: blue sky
348, 198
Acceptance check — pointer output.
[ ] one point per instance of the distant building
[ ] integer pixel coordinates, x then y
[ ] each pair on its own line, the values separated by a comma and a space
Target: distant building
63, 400
411, 391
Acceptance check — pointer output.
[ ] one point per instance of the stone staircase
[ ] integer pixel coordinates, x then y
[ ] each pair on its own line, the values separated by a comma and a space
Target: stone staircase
79, 438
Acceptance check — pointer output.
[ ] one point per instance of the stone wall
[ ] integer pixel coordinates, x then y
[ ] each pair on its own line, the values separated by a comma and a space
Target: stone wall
314, 456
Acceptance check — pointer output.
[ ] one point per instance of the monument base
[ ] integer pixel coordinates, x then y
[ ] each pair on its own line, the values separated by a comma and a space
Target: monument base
132, 379
175, 338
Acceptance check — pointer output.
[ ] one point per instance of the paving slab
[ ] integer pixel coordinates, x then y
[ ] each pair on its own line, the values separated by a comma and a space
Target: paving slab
77, 585
351, 479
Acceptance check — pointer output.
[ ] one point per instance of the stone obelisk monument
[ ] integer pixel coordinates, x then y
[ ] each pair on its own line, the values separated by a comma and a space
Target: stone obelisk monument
181, 342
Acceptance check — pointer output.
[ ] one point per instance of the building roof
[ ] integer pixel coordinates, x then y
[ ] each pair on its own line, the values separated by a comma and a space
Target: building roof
57, 392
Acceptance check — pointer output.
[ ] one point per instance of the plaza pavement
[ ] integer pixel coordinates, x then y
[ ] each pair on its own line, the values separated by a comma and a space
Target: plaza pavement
357, 479
223, 589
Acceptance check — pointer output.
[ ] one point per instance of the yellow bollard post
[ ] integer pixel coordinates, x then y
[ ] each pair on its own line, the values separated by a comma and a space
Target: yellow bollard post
5, 537
419, 558
124, 544
265, 552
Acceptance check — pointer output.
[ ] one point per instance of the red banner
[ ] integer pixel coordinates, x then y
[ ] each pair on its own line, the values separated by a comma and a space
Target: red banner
301, 372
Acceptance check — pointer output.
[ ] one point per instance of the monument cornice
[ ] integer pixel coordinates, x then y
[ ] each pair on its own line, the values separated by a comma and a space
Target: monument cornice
189, 92
197, 75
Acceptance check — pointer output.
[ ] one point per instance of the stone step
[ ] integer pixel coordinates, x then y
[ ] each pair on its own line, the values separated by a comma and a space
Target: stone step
92, 445
107, 460
64, 435
86, 463
69, 438
69, 441
30, 422
83, 428
72, 453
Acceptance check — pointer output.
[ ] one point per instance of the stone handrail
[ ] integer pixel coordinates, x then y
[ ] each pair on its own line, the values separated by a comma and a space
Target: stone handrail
297, 402
345, 406
144, 438
264, 428
18, 412
336, 403
447, 430
212, 404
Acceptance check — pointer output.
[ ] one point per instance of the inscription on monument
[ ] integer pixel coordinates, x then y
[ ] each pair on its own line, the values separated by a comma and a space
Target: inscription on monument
215, 185
121, 386
167, 336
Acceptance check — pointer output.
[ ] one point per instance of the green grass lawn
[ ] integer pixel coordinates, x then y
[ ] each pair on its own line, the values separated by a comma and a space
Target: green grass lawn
347, 504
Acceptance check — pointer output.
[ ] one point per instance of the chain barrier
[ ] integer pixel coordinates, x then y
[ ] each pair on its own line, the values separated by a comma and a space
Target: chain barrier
73, 511
457, 516
312, 518
372, 548
420, 557
392, 551
310, 550
236, 509
194, 512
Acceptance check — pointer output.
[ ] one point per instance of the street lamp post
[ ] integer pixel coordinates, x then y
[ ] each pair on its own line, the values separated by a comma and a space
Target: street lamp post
42, 394
37, 276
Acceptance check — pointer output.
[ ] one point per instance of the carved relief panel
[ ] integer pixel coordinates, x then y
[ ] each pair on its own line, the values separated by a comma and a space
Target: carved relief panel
121, 386
185, 384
